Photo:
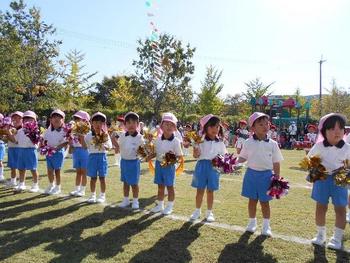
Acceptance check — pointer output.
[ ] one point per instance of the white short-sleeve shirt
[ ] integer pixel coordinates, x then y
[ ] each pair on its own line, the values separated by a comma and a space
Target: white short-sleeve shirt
128, 145
166, 145
54, 137
13, 144
91, 146
209, 149
23, 140
347, 139
261, 155
332, 157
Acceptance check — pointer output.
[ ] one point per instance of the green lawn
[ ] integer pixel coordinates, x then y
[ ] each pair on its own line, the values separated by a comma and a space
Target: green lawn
39, 228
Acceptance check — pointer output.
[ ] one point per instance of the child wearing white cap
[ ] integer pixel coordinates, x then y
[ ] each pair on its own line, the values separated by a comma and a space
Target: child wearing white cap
55, 137
130, 166
12, 151
27, 158
205, 177
333, 151
98, 143
165, 176
263, 158
80, 157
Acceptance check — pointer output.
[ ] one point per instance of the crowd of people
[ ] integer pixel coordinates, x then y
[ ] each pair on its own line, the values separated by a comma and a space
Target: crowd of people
90, 139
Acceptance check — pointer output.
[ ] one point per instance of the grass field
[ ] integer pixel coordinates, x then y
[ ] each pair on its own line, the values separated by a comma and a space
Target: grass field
39, 228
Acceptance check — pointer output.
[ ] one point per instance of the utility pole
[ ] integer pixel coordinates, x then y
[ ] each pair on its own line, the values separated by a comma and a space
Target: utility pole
320, 99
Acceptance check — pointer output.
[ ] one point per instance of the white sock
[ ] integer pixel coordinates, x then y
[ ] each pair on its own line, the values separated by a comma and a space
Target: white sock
266, 222
170, 203
160, 203
252, 221
1, 171
321, 230
135, 199
77, 188
93, 194
198, 210
338, 233
82, 188
13, 180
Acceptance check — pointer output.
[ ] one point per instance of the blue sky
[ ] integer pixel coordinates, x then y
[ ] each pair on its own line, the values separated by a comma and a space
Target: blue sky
276, 40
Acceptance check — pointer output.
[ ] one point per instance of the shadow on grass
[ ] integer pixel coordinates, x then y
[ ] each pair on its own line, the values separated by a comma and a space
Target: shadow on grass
107, 245
67, 240
18, 201
319, 255
342, 256
29, 222
243, 251
173, 246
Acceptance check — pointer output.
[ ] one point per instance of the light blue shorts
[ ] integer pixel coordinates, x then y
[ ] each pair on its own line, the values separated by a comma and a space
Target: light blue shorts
164, 175
97, 165
205, 176
256, 184
27, 159
80, 158
322, 190
55, 162
130, 171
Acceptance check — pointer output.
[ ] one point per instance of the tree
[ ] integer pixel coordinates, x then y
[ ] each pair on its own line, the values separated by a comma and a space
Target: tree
164, 69
338, 100
255, 90
30, 67
76, 83
208, 99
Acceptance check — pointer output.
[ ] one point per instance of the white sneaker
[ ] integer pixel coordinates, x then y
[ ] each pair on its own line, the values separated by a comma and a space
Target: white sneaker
196, 214
80, 193
135, 204
56, 190
124, 203
210, 216
34, 188
2, 179
11, 184
319, 240
158, 208
266, 231
92, 199
348, 217
75, 192
49, 189
168, 209
251, 227
20, 187
101, 198
335, 244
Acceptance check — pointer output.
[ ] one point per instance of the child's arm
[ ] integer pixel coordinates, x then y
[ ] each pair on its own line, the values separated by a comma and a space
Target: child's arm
276, 169
196, 152
81, 139
241, 160
62, 145
11, 137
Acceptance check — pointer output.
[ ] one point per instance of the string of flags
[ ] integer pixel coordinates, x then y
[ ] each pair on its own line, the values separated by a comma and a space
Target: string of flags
157, 58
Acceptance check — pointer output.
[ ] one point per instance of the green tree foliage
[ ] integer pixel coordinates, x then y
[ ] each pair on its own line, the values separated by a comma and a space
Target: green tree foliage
27, 52
164, 69
256, 89
76, 83
208, 98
